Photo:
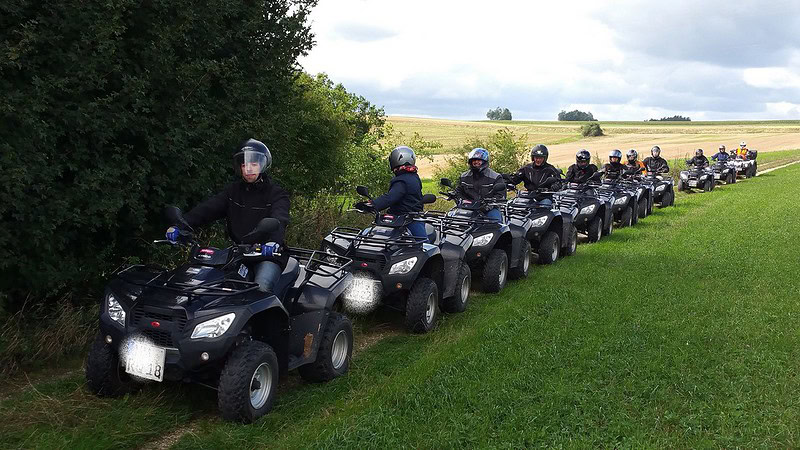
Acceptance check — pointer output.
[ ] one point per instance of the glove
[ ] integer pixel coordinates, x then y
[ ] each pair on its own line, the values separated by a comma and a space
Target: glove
269, 249
173, 234
363, 206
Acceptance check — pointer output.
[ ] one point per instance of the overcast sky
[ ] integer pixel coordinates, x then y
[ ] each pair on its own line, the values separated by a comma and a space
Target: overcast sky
621, 60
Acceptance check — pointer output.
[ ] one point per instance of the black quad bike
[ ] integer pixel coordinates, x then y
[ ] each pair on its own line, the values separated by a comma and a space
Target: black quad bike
591, 213
663, 188
747, 167
401, 271
551, 233
696, 178
498, 251
207, 322
645, 192
624, 200
724, 171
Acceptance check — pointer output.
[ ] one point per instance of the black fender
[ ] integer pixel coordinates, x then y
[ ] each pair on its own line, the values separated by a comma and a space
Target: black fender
269, 322
305, 336
434, 269
451, 254
519, 229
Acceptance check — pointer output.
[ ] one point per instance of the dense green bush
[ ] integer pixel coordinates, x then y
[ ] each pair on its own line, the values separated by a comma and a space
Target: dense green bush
591, 129
112, 110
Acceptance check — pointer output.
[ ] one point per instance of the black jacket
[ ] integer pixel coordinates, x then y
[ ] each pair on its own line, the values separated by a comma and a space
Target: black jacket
537, 177
698, 161
614, 170
656, 164
474, 185
576, 174
404, 196
243, 205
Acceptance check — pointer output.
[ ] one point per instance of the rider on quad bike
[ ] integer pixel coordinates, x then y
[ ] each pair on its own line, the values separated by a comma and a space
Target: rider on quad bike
655, 163
243, 204
479, 182
405, 190
614, 169
721, 155
539, 174
699, 160
741, 152
634, 165
582, 170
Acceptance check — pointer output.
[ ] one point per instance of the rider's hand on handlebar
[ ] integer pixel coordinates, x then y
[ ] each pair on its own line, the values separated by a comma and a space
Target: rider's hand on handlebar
364, 206
269, 249
173, 234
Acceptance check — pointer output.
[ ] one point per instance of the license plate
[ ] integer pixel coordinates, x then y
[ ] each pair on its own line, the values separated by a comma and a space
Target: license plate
145, 361
693, 183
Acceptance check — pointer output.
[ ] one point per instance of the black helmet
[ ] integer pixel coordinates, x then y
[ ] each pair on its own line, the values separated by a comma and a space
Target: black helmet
402, 156
655, 151
253, 157
615, 154
583, 155
632, 155
698, 152
540, 150
480, 154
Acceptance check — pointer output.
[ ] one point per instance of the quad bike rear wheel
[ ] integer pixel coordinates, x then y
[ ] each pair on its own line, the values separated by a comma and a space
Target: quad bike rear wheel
335, 350
458, 302
522, 269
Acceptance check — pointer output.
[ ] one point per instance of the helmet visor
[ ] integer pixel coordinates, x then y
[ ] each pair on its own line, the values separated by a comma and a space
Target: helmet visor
250, 163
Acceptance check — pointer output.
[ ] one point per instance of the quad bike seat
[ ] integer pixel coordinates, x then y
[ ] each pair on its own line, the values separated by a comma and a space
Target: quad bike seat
287, 278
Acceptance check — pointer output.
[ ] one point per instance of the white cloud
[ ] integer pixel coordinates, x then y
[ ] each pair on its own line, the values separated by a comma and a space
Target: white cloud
457, 59
772, 77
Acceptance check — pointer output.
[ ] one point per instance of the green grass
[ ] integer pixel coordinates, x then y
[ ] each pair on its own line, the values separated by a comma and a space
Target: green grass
679, 332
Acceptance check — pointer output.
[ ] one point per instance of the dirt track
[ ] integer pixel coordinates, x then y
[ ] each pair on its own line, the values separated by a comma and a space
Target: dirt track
672, 146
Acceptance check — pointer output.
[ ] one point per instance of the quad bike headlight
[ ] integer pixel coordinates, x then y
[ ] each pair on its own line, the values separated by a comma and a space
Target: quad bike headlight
621, 201
482, 240
588, 209
661, 188
536, 223
684, 176
402, 267
115, 310
214, 327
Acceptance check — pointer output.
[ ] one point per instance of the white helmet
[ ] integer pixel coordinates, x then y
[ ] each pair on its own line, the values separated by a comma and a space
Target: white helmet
743, 144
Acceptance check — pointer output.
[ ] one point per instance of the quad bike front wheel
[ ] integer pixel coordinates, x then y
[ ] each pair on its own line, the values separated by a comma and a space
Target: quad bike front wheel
105, 376
548, 248
595, 229
627, 217
248, 382
495, 271
668, 199
643, 208
422, 306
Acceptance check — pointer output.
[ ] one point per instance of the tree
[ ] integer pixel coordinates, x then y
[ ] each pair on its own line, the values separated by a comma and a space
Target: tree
675, 118
112, 110
575, 115
498, 114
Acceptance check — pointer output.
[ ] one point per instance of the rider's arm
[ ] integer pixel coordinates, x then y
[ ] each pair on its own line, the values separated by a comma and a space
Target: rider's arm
395, 195
571, 172
214, 208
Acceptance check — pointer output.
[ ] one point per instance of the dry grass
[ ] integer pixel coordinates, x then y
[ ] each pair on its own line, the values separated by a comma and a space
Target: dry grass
45, 333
